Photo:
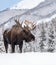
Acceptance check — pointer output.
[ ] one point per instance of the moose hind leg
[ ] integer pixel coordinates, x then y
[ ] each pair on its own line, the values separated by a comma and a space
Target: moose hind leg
5, 43
20, 47
6, 46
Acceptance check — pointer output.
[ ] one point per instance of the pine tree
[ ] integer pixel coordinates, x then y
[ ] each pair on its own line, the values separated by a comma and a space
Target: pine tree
51, 45
43, 38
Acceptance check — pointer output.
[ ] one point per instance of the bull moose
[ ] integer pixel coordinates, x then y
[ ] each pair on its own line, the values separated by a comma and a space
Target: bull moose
16, 35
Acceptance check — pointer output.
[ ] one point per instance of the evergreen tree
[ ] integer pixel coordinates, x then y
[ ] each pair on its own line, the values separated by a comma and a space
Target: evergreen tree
51, 42
43, 38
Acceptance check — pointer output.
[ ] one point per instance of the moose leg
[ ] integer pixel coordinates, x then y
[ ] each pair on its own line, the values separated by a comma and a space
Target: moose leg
5, 43
20, 46
6, 46
13, 48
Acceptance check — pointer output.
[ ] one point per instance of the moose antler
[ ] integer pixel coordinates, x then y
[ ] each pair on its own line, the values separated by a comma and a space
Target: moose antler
34, 26
17, 22
28, 23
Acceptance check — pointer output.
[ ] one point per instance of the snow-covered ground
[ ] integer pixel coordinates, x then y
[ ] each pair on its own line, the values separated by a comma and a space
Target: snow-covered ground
28, 59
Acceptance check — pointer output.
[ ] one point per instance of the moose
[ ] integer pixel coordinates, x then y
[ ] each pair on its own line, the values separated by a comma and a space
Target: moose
16, 35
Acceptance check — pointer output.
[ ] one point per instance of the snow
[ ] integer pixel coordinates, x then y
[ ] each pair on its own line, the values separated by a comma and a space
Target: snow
27, 4
46, 19
9, 14
43, 10
28, 59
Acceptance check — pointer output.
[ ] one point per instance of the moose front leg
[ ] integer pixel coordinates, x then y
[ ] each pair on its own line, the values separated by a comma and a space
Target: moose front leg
12, 48
20, 46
